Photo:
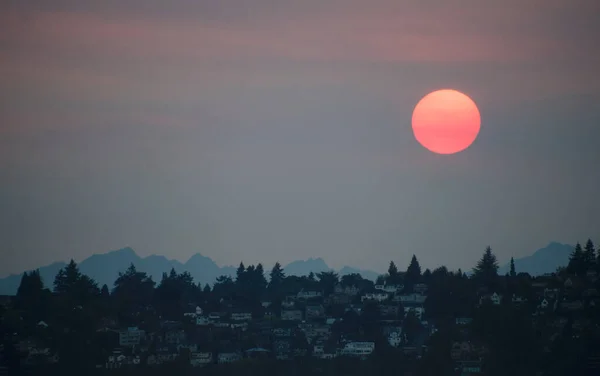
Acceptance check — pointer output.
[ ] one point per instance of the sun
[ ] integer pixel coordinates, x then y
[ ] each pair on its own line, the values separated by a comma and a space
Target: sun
446, 121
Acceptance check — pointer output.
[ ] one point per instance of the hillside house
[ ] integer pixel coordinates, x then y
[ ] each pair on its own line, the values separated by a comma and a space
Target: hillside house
379, 297
418, 311
494, 298
551, 293
338, 298
410, 298
396, 338
175, 337
314, 312
291, 315
463, 321
228, 357
388, 289
574, 305
203, 321
387, 310
199, 359
346, 290
420, 288
516, 299
282, 332
242, 316
197, 312
132, 336
358, 349
305, 295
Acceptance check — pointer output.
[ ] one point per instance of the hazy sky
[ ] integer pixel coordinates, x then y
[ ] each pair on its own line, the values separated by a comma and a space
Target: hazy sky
264, 130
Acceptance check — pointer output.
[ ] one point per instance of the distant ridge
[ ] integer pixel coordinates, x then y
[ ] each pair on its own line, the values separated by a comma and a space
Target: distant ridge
544, 260
104, 268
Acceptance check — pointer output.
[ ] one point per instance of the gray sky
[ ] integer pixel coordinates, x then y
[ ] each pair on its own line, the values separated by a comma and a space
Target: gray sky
280, 130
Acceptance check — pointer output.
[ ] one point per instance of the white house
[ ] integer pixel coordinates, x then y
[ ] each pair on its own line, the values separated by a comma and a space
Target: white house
309, 294
395, 338
495, 298
203, 321
390, 289
358, 349
196, 313
411, 298
380, 297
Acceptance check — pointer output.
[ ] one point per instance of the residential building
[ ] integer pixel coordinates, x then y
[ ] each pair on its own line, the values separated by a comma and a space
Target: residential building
228, 357
243, 316
418, 311
175, 337
410, 298
361, 349
314, 311
198, 359
420, 288
132, 336
291, 315
379, 297
309, 294
395, 339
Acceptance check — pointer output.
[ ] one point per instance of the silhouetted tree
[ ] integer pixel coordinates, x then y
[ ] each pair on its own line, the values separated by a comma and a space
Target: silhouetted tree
74, 287
327, 281
393, 277
240, 273
277, 275
589, 255
577, 264
487, 267
132, 293
513, 273
413, 273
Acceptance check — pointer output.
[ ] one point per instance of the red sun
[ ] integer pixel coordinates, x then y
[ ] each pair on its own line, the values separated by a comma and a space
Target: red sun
446, 121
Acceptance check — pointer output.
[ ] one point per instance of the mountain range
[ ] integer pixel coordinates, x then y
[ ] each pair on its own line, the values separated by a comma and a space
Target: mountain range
104, 268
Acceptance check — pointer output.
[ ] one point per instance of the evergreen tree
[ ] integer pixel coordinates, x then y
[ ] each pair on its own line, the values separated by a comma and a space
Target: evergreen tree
104, 292
513, 273
577, 264
240, 273
32, 299
426, 275
327, 281
487, 266
589, 254
413, 272
392, 273
132, 291
277, 275
206, 289
311, 277
73, 286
